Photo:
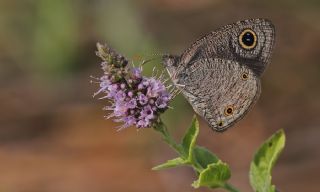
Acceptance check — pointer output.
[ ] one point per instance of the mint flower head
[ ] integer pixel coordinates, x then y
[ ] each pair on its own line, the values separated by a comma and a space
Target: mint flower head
135, 100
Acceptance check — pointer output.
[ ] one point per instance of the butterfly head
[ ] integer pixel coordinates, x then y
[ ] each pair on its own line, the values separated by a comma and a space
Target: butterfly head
171, 62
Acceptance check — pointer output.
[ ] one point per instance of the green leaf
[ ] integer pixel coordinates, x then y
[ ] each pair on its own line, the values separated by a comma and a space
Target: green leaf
214, 176
189, 139
204, 157
170, 164
263, 162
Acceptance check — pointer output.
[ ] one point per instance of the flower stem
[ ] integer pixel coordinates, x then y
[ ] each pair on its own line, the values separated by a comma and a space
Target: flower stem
230, 188
162, 128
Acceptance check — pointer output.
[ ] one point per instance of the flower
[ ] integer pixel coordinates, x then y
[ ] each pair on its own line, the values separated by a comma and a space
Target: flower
143, 99
135, 100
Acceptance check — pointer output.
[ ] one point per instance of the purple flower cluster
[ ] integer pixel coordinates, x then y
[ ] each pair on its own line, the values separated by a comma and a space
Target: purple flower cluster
135, 99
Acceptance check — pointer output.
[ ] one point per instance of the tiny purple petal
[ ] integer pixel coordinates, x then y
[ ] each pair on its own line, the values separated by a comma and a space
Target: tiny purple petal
130, 94
143, 99
155, 88
123, 86
145, 83
143, 123
112, 90
120, 110
129, 121
105, 78
120, 96
140, 86
151, 101
132, 112
136, 72
105, 84
114, 87
132, 104
147, 113
162, 102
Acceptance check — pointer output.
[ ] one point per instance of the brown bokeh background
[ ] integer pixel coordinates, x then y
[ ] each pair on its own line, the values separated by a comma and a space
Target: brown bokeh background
52, 133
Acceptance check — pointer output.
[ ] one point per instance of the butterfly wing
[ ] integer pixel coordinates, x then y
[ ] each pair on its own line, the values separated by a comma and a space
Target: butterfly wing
222, 92
225, 43
221, 71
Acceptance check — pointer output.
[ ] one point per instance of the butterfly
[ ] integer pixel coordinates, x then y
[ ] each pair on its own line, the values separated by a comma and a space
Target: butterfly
220, 73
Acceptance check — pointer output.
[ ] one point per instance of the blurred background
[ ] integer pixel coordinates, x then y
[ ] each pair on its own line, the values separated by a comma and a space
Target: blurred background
53, 136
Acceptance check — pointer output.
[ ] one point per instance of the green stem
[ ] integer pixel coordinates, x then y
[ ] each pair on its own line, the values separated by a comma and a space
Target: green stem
162, 128
230, 188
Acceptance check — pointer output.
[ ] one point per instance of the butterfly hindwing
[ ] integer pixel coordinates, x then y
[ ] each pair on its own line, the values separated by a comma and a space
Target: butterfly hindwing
222, 92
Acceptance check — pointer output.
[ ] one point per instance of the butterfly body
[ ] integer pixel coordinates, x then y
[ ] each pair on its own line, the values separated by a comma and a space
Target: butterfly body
220, 73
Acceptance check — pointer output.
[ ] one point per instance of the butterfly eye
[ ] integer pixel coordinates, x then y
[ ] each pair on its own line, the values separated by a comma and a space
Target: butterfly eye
244, 76
248, 39
228, 111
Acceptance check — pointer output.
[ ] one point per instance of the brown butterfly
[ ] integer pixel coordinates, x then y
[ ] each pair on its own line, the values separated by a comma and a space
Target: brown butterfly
220, 73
